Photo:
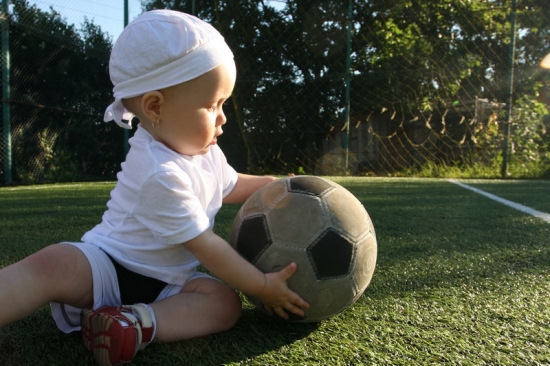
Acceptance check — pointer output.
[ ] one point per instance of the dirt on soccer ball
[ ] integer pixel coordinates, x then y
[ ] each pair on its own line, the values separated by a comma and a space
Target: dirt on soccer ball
319, 225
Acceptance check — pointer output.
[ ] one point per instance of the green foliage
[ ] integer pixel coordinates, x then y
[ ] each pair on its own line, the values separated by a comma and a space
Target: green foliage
413, 64
474, 170
406, 56
530, 138
59, 93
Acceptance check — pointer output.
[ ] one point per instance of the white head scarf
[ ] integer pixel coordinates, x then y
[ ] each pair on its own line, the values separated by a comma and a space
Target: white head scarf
161, 48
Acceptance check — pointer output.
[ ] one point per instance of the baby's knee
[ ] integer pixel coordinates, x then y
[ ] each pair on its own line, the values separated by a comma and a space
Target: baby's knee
232, 308
221, 302
49, 262
67, 271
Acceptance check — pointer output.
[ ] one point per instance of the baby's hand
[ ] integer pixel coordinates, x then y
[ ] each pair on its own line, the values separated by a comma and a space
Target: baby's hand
277, 297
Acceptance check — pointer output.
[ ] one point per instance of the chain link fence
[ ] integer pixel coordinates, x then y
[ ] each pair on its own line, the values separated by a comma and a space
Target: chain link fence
324, 87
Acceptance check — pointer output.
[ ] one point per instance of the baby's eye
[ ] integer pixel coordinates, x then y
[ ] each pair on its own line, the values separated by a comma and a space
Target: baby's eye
217, 106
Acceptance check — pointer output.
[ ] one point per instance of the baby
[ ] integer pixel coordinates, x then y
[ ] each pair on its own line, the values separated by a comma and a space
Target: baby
133, 279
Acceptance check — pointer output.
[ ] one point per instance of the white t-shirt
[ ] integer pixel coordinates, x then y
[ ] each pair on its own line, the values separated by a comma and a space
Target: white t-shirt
161, 200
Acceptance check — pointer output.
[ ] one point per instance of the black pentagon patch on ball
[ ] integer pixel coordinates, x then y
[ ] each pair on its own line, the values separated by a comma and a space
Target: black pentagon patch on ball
331, 255
309, 185
253, 238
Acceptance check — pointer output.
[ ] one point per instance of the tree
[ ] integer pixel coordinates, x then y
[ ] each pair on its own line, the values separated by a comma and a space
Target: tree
413, 57
60, 86
430, 56
290, 64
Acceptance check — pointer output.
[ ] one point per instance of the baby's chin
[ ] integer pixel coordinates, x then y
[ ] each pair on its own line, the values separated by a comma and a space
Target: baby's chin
204, 151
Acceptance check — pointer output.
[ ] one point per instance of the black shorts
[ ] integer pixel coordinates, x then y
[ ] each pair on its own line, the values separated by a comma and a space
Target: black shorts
136, 288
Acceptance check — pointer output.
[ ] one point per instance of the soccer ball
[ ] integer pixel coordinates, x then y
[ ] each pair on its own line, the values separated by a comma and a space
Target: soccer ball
319, 225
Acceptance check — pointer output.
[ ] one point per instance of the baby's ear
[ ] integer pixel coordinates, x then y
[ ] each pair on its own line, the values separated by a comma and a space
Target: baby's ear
151, 105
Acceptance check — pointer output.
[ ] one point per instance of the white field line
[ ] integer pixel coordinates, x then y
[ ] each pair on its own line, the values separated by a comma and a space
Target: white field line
528, 210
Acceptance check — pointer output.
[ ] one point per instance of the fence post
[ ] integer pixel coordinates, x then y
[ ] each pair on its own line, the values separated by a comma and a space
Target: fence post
6, 115
347, 111
509, 117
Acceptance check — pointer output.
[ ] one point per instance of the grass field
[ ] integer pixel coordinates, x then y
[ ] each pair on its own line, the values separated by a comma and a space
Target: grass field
460, 280
532, 193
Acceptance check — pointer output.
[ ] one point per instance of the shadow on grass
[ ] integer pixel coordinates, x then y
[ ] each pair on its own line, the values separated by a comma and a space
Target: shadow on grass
36, 341
255, 334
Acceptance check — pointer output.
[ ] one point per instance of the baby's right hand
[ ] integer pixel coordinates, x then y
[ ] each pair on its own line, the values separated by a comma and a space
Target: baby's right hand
277, 297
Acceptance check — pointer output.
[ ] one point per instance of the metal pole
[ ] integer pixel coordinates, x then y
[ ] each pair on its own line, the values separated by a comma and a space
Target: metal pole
126, 133
6, 94
509, 116
347, 112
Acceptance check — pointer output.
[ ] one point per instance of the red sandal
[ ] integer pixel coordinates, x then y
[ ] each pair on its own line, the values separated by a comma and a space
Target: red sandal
116, 333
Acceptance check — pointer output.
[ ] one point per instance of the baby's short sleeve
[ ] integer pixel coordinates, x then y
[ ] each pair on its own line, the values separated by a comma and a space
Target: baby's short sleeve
168, 207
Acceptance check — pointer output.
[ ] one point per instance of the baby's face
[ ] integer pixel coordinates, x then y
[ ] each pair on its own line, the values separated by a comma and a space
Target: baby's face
192, 116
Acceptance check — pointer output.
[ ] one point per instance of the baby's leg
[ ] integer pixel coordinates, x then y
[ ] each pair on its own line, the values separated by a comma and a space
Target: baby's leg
59, 273
204, 306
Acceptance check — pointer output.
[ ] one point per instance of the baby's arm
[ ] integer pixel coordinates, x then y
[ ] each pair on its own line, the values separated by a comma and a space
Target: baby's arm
246, 185
224, 262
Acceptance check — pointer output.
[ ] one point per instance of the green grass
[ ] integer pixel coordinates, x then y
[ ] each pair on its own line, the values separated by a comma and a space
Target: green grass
531, 193
460, 280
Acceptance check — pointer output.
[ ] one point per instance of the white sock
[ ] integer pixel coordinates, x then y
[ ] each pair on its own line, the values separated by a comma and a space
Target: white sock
146, 315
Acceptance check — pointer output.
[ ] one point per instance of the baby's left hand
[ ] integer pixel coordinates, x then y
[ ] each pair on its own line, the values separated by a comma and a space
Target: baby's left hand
278, 298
